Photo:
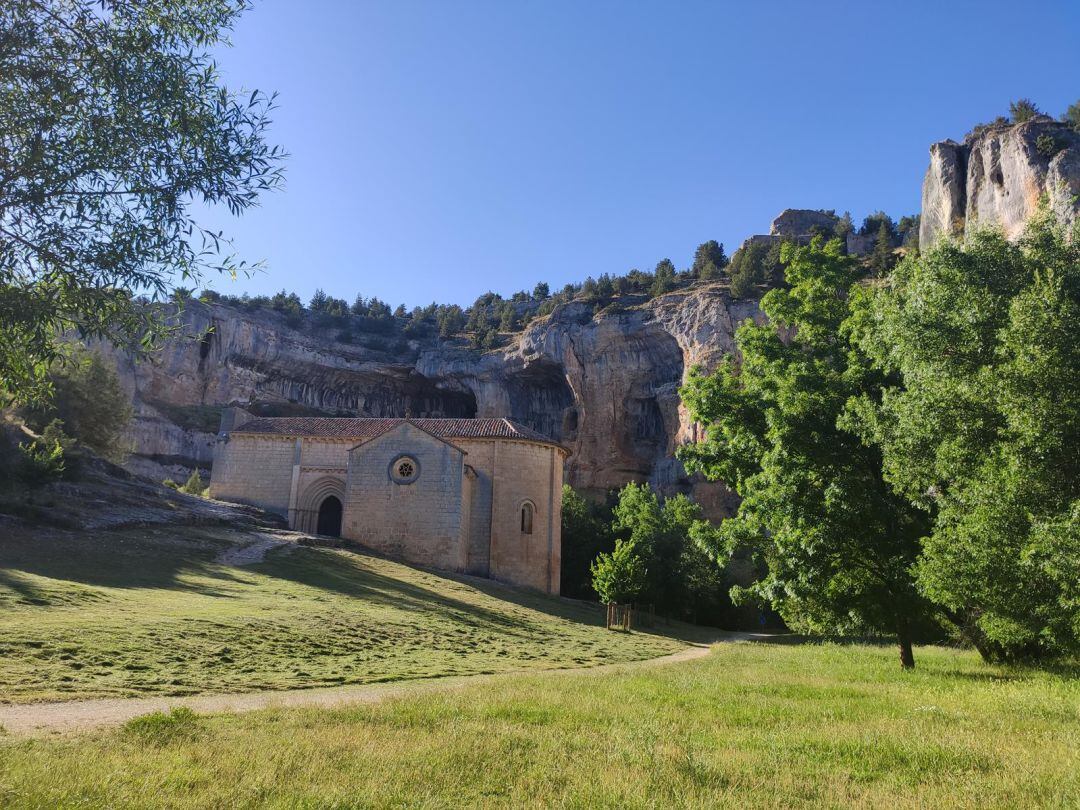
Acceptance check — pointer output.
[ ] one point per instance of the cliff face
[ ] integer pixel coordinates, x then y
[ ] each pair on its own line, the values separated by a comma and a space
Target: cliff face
605, 384
997, 177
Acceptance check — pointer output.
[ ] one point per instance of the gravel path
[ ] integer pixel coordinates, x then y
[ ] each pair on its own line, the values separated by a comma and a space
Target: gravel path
35, 719
251, 553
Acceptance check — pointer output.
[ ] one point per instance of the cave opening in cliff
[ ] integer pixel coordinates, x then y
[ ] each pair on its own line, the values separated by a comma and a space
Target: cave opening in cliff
541, 398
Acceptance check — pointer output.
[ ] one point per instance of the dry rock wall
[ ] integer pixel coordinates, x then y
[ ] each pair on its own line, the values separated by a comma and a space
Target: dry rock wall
997, 177
604, 384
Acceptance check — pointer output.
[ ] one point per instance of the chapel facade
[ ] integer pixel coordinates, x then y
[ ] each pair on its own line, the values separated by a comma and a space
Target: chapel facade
477, 496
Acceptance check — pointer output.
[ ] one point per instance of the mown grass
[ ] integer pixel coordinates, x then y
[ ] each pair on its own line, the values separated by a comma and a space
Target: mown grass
148, 611
752, 725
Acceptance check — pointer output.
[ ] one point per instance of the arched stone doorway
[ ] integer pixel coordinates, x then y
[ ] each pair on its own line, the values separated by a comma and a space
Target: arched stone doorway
329, 521
315, 502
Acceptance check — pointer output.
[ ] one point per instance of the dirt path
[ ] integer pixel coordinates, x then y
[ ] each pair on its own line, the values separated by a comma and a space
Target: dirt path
79, 715
252, 553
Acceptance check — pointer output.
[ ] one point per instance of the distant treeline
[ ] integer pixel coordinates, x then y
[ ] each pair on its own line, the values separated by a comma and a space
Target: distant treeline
751, 271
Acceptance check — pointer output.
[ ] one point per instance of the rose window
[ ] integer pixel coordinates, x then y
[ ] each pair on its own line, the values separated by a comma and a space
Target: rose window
404, 470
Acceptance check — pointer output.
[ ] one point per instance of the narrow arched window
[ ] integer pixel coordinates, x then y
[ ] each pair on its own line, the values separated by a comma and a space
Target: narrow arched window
526, 518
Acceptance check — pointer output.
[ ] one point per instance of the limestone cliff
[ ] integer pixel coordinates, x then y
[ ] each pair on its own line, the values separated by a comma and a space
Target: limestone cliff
605, 384
997, 177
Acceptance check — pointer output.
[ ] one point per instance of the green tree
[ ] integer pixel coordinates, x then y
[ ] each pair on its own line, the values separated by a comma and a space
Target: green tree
89, 401
541, 291
871, 225
682, 581
982, 426
663, 277
1071, 116
586, 532
753, 265
508, 318
838, 544
882, 259
604, 287
450, 320
908, 230
709, 260
114, 120
379, 310
619, 577
844, 226
1022, 110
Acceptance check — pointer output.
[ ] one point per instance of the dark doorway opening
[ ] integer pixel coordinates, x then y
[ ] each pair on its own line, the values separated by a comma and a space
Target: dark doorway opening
329, 517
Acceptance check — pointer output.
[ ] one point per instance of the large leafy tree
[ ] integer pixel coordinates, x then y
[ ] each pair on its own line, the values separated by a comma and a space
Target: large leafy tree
113, 123
983, 429
838, 544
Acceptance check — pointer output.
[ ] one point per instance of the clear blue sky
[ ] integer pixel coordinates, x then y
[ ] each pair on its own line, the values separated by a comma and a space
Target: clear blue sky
441, 149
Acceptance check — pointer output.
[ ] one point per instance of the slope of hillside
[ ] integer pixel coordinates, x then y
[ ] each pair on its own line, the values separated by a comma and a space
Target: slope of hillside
179, 610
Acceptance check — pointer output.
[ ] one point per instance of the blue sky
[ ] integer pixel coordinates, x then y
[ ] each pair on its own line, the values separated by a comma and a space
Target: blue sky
441, 149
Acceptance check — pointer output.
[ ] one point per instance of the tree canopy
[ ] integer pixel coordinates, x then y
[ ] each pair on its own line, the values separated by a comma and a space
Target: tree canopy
981, 428
113, 122
838, 544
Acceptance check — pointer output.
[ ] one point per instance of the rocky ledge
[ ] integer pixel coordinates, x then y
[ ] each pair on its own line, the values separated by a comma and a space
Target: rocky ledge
605, 384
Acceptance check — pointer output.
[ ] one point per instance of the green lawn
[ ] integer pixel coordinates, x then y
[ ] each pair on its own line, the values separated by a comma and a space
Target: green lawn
147, 611
752, 725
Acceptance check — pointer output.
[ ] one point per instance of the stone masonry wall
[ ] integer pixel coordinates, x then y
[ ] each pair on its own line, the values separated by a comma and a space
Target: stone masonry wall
522, 472
418, 522
254, 470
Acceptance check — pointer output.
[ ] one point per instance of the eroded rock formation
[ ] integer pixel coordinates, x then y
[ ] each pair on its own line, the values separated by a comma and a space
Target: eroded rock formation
997, 177
605, 384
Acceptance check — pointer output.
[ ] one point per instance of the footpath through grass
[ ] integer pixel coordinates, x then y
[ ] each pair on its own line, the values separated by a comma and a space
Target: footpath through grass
149, 612
752, 725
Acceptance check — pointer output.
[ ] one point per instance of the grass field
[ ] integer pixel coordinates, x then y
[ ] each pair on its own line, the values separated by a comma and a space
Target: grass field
752, 725
145, 612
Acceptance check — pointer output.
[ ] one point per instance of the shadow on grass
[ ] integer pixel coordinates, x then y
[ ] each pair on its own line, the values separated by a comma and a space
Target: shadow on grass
182, 559
347, 572
124, 559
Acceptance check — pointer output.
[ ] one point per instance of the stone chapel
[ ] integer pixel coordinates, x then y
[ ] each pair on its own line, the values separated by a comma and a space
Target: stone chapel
478, 496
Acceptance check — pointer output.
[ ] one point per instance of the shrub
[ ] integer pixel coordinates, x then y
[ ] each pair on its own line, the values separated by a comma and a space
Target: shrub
42, 461
89, 402
168, 483
1072, 116
1021, 110
1047, 145
194, 485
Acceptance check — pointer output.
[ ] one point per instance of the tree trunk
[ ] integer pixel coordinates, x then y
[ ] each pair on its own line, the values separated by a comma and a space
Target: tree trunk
966, 622
907, 655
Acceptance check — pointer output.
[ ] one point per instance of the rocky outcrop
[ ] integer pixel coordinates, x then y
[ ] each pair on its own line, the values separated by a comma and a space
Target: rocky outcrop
997, 177
605, 384
795, 222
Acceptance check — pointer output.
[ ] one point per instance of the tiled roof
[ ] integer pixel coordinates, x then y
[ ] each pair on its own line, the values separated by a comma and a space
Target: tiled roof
366, 428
